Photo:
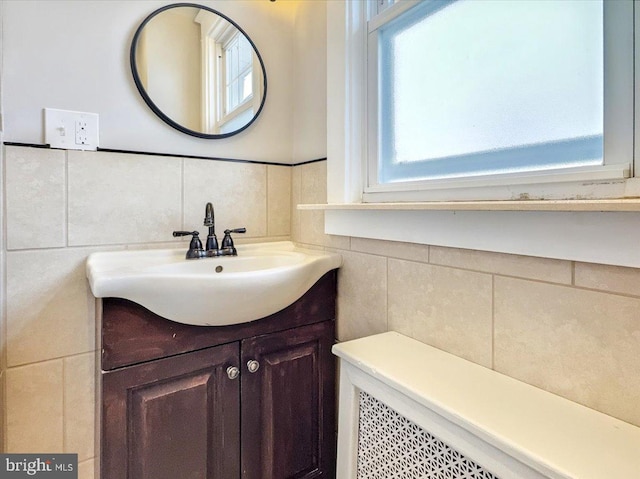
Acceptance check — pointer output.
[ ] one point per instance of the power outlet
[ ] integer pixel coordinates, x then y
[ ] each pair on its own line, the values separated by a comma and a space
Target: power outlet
82, 137
70, 130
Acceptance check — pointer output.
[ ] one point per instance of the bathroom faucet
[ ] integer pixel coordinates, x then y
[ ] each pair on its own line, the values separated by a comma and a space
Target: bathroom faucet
212, 249
212, 240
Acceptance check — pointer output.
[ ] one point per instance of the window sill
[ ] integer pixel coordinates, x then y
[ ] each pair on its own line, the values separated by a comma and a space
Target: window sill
610, 205
591, 231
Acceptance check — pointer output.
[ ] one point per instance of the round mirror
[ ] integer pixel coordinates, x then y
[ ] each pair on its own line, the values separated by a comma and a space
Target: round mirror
198, 71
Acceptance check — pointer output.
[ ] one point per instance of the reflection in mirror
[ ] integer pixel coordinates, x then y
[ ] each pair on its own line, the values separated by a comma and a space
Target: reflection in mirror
198, 71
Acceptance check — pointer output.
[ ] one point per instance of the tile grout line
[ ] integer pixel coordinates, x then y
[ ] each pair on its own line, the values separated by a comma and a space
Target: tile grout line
298, 213
387, 293
493, 321
266, 200
63, 415
182, 193
292, 207
66, 198
42, 361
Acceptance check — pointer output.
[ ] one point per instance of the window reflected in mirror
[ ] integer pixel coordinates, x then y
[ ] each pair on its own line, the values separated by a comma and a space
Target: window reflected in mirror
198, 71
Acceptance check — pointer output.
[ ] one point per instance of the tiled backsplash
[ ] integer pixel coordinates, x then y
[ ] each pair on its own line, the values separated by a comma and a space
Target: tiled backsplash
570, 328
60, 207
59, 198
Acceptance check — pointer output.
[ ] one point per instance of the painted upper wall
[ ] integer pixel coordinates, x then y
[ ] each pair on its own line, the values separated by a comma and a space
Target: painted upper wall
310, 76
74, 55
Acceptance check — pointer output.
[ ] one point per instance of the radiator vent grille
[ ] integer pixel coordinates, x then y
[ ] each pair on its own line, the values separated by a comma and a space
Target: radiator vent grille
392, 447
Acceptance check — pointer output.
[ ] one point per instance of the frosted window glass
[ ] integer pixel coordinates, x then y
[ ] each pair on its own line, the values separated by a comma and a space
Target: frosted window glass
475, 87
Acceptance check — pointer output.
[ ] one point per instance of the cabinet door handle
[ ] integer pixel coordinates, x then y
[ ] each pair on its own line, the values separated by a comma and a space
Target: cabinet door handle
233, 372
253, 366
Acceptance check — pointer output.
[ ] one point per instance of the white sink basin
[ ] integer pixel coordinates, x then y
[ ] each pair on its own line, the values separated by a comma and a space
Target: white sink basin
263, 279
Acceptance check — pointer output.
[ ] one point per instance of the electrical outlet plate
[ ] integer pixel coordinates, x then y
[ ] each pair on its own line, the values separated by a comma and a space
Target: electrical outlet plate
70, 130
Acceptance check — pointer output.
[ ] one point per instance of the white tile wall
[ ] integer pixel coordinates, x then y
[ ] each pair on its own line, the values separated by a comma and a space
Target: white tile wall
238, 192
613, 279
60, 207
445, 307
79, 405
119, 198
409, 251
50, 311
570, 328
86, 469
362, 305
544, 269
580, 344
35, 420
35, 198
278, 200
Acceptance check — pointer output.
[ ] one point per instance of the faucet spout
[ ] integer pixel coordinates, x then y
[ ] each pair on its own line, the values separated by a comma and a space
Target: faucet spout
212, 241
208, 216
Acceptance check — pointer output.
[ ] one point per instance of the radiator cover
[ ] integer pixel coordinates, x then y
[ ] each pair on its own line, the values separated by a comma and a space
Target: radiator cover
409, 410
392, 447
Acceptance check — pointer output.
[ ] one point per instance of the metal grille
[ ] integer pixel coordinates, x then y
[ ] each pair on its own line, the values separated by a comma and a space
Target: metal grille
392, 447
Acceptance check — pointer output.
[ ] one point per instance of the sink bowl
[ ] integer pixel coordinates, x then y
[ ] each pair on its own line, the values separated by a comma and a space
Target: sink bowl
263, 279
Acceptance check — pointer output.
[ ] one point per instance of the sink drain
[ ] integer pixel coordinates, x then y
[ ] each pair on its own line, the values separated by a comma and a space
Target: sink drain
219, 269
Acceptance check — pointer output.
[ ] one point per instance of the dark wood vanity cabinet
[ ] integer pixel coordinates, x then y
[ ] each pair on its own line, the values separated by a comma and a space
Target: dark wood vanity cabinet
288, 428
170, 410
172, 418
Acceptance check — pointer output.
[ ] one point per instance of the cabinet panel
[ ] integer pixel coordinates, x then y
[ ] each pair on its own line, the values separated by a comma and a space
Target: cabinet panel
174, 417
131, 334
288, 426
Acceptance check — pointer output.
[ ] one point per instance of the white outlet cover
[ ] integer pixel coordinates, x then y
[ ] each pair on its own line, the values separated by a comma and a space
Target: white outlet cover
60, 129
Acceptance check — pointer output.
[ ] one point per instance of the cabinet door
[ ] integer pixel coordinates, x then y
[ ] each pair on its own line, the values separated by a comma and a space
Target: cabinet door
172, 418
288, 404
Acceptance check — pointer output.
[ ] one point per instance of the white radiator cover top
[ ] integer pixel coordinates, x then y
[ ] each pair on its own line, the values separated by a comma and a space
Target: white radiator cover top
512, 429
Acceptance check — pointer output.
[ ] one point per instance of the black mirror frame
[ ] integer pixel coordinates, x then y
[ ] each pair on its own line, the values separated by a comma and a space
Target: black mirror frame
154, 107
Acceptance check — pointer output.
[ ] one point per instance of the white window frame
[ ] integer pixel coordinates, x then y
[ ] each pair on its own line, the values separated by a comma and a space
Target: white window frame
618, 154
214, 37
592, 236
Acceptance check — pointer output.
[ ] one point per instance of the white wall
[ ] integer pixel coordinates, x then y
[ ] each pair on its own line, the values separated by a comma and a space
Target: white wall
310, 76
74, 55
172, 65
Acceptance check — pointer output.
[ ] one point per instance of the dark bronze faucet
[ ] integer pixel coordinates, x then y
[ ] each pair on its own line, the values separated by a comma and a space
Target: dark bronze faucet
212, 249
212, 240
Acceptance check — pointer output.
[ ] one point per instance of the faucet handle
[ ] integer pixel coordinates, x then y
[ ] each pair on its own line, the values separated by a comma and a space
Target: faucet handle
195, 247
237, 230
227, 241
194, 235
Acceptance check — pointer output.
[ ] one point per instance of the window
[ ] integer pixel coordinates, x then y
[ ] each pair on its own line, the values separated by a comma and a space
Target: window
481, 93
579, 232
228, 79
238, 73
